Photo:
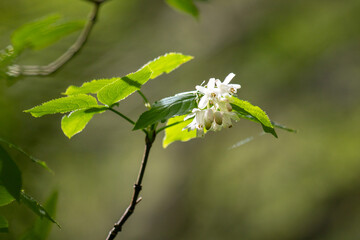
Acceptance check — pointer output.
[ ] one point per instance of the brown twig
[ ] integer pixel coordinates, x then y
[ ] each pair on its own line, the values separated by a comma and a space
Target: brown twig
137, 188
35, 70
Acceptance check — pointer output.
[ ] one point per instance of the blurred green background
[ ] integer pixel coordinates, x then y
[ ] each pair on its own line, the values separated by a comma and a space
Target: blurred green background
299, 60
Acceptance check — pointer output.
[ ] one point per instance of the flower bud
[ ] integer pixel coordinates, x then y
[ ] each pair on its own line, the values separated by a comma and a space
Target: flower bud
209, 118
228, 107
218, 117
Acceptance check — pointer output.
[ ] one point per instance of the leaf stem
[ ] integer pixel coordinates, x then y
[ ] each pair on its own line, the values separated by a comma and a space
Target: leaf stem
126, 118
36, 70
167, 126
146, 101
137, 188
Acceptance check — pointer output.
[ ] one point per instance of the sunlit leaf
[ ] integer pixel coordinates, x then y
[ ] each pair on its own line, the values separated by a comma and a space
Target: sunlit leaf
167, 63
186, 6
123, 87
4, 225
245, 108
166, 108
42, 227
10, 175
5, 197
176, 132
76, 121
33, 159
90, 87
43, 32
34, 206
63, 105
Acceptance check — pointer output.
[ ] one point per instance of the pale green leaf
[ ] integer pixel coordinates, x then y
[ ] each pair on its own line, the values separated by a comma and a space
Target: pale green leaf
43, 32
123, 87
36, 207
33, 159
5, 196
10, 175
4, 225
63, 105
186, 6
254, 113
90, 87
176, 132
76, 121
167, 63
166, 108
42, 227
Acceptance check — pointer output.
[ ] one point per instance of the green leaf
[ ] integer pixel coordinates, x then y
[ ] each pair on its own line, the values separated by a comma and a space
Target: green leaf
34, 206
167, 63
186, 6
176, 133
123, 87
4, 225
166, 108
42, 227
77, 120
10, 175
5, 196
43, 32
244, 108
63, 105
90, 87
33, 159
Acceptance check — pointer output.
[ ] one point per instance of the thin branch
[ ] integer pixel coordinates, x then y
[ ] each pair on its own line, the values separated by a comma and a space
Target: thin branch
137, 188
146, 101
35, 70
126, 118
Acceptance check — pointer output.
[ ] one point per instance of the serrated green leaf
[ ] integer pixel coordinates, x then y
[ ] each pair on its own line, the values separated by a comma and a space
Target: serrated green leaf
43, 32
76, 121
90, 87
176, 133
186, 6
36, 207
245, 108
42, 227
166, 108
5, 196
4, 225
33, 159
10, 175
123, 87
64, 105
167, 63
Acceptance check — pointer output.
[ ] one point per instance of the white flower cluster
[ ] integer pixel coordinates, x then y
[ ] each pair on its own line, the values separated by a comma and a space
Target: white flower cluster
214, 110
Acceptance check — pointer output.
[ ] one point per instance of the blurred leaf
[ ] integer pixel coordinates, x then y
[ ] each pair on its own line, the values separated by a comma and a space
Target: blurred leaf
34, 206
186, 6
42, 227
63, 105
166, 108
167, 63
77, 120
123, 87
245, 108
90, 87
176, 133
5, 196
10, 175
43, 32
4, 225
278, 125
35, 160
7, 57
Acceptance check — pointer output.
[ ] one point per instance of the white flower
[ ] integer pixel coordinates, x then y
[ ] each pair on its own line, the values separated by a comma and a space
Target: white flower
198, 123
225, 88
211, 93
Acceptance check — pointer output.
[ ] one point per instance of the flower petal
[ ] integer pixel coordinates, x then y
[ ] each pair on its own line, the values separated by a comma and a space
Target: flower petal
228, 78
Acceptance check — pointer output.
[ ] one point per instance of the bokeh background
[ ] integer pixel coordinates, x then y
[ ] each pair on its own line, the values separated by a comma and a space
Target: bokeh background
299, 60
